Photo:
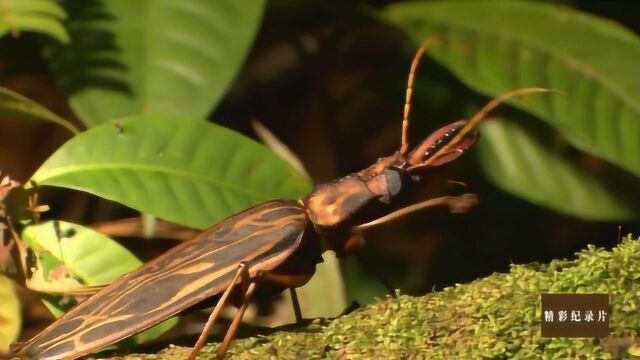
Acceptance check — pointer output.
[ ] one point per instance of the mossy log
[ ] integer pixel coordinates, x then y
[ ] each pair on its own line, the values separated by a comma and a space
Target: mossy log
497, 317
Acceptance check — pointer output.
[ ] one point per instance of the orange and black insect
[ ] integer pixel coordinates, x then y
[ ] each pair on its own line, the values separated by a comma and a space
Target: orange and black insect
263, 250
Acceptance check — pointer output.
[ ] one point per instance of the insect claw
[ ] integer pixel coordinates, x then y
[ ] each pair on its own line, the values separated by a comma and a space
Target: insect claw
355, 305
455, 186
456, 182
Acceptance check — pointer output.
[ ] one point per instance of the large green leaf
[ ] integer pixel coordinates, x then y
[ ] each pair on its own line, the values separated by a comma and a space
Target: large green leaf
10, 319
189, 172
495, 46
173, 57
43, 16
71, 256
523, 161
15, 105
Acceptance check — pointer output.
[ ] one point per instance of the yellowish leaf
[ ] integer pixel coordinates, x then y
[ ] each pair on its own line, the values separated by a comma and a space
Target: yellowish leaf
10, 319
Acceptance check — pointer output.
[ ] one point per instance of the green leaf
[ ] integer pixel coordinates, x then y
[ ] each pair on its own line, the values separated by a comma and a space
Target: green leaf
496, 46
523, 161
324, 295
43, 16
15, 105
10, 319
173, 57
189, 172
89, 258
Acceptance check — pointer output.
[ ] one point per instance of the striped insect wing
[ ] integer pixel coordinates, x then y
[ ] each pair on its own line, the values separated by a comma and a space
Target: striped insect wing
264, 236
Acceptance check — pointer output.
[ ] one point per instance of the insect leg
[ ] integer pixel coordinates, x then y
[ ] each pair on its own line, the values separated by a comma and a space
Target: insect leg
235, 323
296, 304
355, 242
456, 204
457, 183
292, 282
374, 270
242, 271
245, 280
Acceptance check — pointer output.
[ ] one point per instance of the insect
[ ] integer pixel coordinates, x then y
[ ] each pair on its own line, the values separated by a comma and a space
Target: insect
266, 249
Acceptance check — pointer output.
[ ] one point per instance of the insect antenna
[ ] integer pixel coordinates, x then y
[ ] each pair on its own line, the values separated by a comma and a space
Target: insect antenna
481, 114
404, 147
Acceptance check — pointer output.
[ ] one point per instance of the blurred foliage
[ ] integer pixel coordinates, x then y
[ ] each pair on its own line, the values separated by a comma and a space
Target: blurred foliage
141, 75
497, 317
171, 57
14, 105
518, 152
42, 16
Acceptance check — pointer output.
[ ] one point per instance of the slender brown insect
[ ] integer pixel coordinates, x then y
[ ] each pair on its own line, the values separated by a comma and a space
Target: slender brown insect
263, 250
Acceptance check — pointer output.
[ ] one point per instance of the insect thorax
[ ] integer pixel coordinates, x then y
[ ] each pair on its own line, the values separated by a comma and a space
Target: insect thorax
356, 197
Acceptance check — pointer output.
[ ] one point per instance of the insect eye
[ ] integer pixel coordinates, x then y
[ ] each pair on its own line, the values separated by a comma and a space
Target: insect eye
394, 182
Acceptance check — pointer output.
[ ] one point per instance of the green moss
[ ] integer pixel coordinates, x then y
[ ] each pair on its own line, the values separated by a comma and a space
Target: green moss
497, 317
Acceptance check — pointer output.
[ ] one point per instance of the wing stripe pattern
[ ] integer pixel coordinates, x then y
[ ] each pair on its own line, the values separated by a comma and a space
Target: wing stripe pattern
264, 236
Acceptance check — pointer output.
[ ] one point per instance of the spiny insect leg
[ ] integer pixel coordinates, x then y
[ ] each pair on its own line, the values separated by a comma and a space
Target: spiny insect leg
456, 204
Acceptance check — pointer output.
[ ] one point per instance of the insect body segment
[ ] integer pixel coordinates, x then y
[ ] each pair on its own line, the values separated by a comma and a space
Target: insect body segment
336, 207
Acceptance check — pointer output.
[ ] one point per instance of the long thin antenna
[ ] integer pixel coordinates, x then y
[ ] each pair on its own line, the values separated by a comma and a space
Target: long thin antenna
481, 114
404, 147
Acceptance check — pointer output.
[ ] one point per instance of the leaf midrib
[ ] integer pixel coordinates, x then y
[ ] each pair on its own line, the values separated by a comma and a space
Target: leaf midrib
69, 169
